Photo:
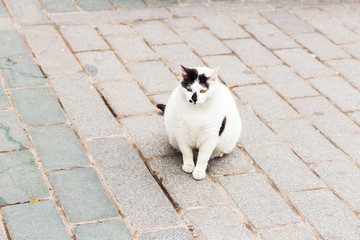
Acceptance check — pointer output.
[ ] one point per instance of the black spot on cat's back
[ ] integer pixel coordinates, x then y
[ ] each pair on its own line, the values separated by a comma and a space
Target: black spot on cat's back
222, 128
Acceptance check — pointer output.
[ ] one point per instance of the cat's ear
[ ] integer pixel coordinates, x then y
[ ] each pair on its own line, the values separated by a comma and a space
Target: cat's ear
183, 71
214, 74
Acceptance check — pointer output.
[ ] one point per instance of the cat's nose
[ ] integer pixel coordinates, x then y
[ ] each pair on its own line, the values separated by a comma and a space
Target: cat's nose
194, 97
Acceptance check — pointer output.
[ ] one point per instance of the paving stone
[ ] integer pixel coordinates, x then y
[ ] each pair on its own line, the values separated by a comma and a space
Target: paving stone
287, 22
129, 4
180, 233
356, 116
189, 193
38, 106
151, 141
327, 214
4, 101
121, 15
193, 1
6, 24
265, 104
123, 170
253, 130
261, 205
94, 5
191, 10
20, 178
21, 72
218, 222
346, 14
151, 31
350, 144
103, 66
303, 63
161, 98
177, 54
183, 23
103, 231
285, 81
48, 47
3, 12
244, 18
232, 70
335, 31
252, 52
343, 177
223, 26
86, 109
83, 38
350, 68
310, 13
2, 233
26, 12
161, 3
154, 76
324, 115
277, 161
82, 195
58, 147
131, 48
353, 49
320, 46
310, 145
270, 36
115, 29
294, 233
39, 220
11, 133
125, 98
234, 162
203, 42
11, 44
54, 6
348, 99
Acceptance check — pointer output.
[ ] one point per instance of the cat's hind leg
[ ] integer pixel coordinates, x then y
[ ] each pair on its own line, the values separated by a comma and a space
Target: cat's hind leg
217, 153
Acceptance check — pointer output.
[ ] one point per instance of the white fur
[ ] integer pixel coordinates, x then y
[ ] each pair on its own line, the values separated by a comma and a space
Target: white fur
196, 126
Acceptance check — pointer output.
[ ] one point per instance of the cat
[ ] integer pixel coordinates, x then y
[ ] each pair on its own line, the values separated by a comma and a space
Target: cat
201, 114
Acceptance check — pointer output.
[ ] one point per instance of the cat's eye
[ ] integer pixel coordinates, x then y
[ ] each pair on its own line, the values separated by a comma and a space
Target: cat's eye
202, 91
189, 90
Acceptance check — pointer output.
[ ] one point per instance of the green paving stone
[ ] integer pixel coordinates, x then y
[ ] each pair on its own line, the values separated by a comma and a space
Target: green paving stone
53, 6
160, 3
38, 106
21, 72
3, 12
193, 1
129, 4
20, 178
4, 101
103, 231
12, 136
94, 5
11, 44
82, 195
58, 147
34, 221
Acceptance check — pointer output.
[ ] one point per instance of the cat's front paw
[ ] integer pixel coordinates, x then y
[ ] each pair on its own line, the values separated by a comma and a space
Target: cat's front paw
198, 174
188, 168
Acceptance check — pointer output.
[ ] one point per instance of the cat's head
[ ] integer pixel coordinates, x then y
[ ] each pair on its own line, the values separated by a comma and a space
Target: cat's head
198, 84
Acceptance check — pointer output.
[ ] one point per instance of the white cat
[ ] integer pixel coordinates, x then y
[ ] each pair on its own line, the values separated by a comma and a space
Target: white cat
201, 114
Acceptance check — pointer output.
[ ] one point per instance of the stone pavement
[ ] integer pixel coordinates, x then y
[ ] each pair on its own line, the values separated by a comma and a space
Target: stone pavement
83, 151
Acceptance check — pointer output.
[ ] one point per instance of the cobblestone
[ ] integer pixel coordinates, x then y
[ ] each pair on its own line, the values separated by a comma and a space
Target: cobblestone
310, 145
310, 13
248, 18
4, 101
11, 44
29, 13
353, 49
324, 115
350, 68
183, 23
56, 6
327, 214
262, 206
287, 22
151, 31
349, 144
277, 160
218, 223
295, 233
170, 233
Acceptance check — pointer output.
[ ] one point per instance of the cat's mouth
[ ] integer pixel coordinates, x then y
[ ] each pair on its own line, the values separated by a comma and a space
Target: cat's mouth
193, 102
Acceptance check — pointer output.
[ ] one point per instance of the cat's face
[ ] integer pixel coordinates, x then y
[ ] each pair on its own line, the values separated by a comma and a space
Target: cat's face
197, 84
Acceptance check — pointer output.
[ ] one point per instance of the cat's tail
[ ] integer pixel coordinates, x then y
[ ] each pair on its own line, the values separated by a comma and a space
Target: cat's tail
161, 107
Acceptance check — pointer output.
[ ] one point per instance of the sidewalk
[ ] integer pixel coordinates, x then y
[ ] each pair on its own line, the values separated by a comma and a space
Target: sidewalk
83, 150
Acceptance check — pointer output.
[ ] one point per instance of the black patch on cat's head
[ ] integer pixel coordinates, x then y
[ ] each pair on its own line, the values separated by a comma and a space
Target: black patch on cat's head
191, 76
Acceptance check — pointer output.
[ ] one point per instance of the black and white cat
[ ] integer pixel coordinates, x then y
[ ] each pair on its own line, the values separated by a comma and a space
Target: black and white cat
201, 114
